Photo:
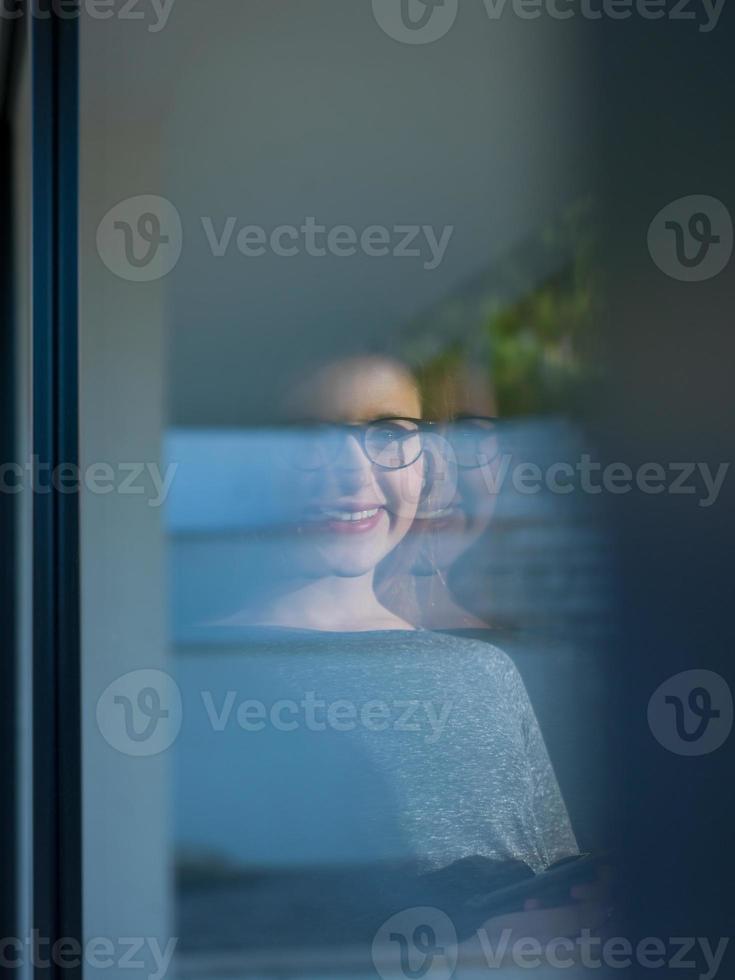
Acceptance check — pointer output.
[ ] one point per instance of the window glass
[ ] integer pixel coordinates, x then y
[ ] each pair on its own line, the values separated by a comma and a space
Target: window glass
344, 584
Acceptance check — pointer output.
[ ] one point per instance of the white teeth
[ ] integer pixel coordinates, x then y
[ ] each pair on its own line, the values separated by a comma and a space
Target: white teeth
431, 515
344, 515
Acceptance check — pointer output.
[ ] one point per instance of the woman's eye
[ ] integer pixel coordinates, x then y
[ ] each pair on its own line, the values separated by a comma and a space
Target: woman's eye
389, 433
393, 444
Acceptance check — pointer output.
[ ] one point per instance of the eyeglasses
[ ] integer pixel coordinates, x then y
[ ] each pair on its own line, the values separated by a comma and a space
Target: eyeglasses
396, 442
473, 438
390, 443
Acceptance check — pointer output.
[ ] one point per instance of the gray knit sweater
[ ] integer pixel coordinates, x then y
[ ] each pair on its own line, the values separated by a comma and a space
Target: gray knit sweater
301, 748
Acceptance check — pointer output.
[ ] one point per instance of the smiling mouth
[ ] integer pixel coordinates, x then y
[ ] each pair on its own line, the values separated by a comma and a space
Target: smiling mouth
350, 516
433, 515
345, 520
444, 517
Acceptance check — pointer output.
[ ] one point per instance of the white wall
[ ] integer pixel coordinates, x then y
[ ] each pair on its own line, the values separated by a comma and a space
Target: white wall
125, 819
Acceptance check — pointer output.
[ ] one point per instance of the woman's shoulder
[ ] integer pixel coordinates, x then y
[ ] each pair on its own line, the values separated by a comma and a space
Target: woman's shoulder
464, 649
447, 651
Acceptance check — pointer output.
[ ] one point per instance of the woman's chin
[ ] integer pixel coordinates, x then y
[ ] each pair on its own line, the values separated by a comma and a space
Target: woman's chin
360, 558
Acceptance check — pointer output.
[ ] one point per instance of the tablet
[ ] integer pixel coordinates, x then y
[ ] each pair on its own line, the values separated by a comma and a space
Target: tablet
552, 885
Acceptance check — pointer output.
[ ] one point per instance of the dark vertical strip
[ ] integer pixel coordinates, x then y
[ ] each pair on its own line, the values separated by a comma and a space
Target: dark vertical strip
45, 765
68, 543
8, 525
9, 509
665, 114
56, 645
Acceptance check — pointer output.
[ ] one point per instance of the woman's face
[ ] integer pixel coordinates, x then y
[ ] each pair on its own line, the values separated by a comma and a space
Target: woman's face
349, 512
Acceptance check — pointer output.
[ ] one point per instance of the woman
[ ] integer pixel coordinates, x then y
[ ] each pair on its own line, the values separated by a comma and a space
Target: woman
425, 759
347, 496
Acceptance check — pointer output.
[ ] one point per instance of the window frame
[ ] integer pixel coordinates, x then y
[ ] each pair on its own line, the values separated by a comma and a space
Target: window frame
56, 686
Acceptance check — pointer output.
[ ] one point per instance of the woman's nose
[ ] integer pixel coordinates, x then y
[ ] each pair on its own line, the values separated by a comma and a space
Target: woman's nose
352, 463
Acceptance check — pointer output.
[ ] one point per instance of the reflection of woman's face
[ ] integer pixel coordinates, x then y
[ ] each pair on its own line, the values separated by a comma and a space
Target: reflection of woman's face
350, 512
458, 513
462, 469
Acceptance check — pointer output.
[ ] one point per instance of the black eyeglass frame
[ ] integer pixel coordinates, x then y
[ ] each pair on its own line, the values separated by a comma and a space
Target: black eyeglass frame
493, 419
422, 426
363, 428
